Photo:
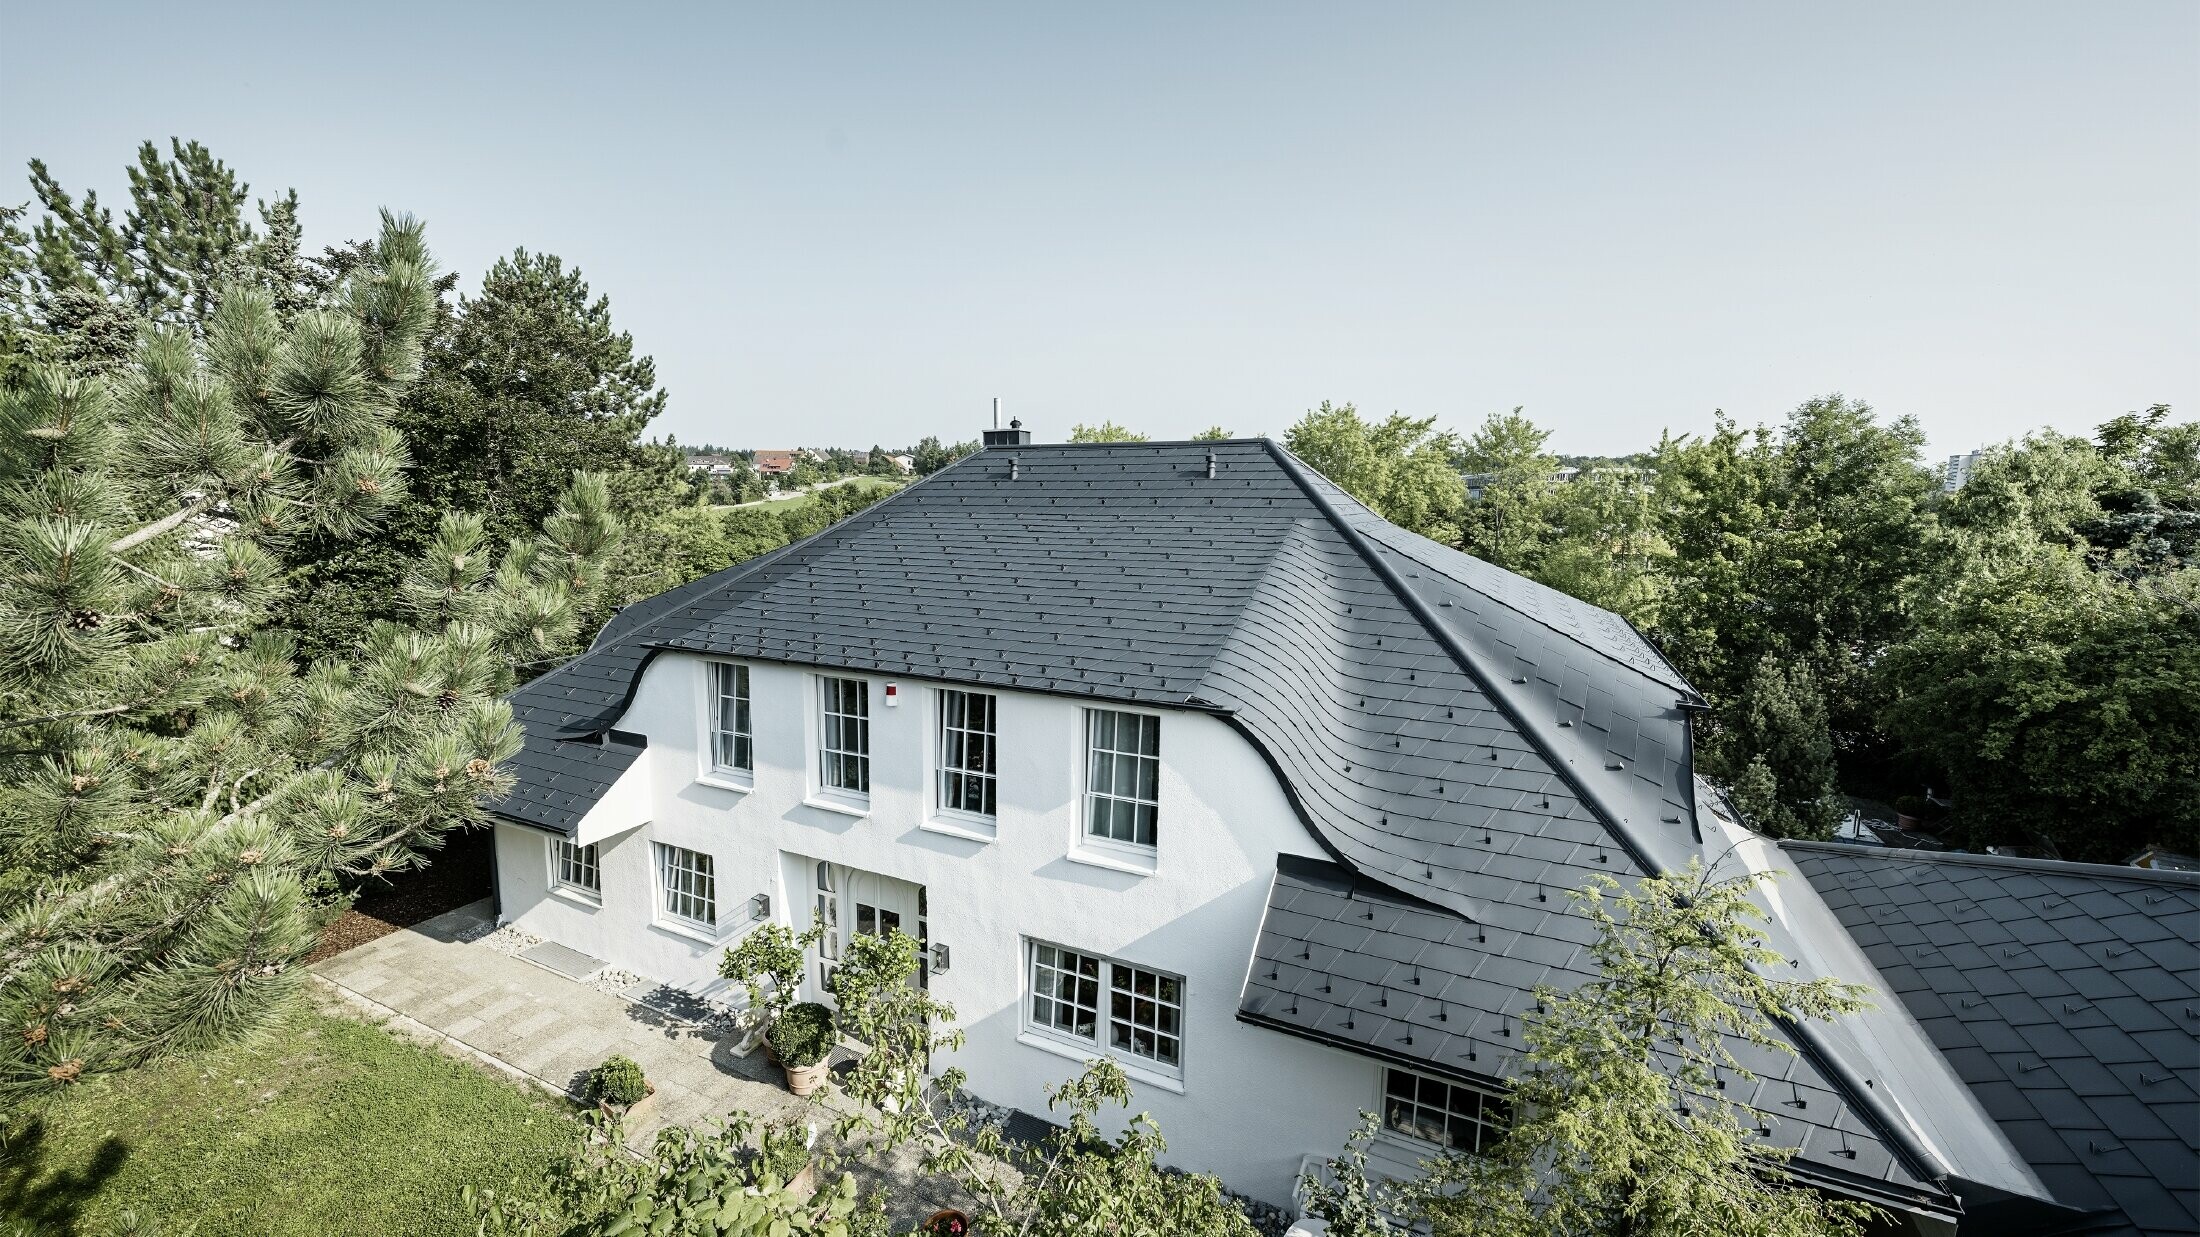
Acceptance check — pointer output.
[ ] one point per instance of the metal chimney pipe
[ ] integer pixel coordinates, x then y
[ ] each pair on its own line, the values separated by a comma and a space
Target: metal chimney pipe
996, 412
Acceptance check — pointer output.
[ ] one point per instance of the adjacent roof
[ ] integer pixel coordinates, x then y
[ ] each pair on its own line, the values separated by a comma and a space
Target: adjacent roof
1463, 742
2067, 996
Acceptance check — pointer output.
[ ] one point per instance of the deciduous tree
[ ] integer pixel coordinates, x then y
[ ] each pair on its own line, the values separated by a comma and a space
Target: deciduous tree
1401, 467
1619, 1124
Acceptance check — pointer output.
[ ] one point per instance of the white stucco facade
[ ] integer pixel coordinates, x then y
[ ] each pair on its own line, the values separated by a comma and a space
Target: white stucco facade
1246, 1103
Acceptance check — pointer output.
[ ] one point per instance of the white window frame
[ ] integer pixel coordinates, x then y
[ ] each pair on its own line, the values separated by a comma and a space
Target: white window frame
1486, 1122
587, 859
951, 736
1091, 795
668, 876
714, 698
1113, 977
825, 757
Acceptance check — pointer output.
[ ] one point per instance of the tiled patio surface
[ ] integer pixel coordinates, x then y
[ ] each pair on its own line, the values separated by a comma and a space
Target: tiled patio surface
435, 980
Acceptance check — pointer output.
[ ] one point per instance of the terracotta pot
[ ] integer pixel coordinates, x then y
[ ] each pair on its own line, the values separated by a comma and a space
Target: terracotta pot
943, 1223
805, 1182
803, 1079
630, 1111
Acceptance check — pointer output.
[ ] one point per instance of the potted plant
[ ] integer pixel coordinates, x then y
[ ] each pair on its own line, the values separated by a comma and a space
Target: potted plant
768, 965
802, 1038
617, 1087
783, 1158
948, 1223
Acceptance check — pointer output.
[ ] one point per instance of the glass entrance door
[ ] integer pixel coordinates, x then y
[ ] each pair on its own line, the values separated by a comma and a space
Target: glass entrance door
852, 902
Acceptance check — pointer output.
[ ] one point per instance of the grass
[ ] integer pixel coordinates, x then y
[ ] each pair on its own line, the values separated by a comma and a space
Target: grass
326, 1125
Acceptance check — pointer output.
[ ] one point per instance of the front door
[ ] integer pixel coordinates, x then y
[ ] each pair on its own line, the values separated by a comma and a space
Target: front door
853, 902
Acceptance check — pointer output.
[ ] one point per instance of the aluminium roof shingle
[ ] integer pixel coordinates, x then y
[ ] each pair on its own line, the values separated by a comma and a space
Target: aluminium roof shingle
2071, 1008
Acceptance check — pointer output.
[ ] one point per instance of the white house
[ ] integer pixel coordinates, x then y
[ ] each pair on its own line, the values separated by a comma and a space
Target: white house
1177, 754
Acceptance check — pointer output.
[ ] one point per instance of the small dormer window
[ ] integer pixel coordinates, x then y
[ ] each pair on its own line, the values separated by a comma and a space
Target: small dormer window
1123, 777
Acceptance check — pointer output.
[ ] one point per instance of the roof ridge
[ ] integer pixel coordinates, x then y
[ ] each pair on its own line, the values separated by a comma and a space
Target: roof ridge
1446, 640
2015, 863
1678, 681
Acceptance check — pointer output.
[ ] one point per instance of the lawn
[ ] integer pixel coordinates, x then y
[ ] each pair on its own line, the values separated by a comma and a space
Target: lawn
325, 1126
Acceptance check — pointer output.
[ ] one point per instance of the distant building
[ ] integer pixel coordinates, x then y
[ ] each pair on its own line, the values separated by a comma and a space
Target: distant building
903, 463
1958, 471
712, 465
774, 463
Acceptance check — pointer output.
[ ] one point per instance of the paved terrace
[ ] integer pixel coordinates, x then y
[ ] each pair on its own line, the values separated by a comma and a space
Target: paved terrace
436, 981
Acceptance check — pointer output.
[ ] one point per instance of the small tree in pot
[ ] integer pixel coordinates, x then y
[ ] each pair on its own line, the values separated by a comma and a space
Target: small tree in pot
802, 1038
617, 1086
768, 964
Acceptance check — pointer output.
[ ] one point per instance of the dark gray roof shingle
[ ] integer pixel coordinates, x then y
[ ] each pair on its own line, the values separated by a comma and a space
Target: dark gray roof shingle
2066, 996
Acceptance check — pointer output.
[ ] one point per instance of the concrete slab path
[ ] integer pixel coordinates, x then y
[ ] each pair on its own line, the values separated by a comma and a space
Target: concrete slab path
436, 980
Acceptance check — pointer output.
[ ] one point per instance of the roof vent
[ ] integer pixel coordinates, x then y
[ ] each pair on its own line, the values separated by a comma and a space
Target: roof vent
1210, 465
1014, 436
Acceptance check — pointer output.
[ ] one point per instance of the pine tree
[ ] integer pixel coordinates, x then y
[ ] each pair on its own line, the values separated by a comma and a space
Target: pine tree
521, 385
80, 284
176, 788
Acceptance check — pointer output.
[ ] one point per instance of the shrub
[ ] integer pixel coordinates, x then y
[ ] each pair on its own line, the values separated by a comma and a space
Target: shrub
617, 1081
804, 1035
784, 1153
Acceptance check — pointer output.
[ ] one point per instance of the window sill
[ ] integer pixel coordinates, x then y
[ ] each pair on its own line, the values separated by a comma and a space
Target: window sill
1134, 862
578, 897
858, 808
721, 779
957, 825
693, 932
1085, 1054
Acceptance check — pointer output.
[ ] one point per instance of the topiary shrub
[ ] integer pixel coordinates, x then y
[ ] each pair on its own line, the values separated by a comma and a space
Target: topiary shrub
617, 1081
804, 1035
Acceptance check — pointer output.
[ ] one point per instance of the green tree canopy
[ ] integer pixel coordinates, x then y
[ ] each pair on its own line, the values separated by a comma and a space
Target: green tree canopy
1106, 431
1401, 467
522, 385
2051, 674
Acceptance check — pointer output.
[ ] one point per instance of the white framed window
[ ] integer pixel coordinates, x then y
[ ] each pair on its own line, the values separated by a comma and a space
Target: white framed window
1129, 1011
1122, 777
969, 736
732, 741
828, 913
844, 747
574, 867
687, 884
1441, 1112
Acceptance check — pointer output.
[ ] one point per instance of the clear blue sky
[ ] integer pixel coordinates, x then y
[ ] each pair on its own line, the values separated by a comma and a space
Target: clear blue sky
837, 224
